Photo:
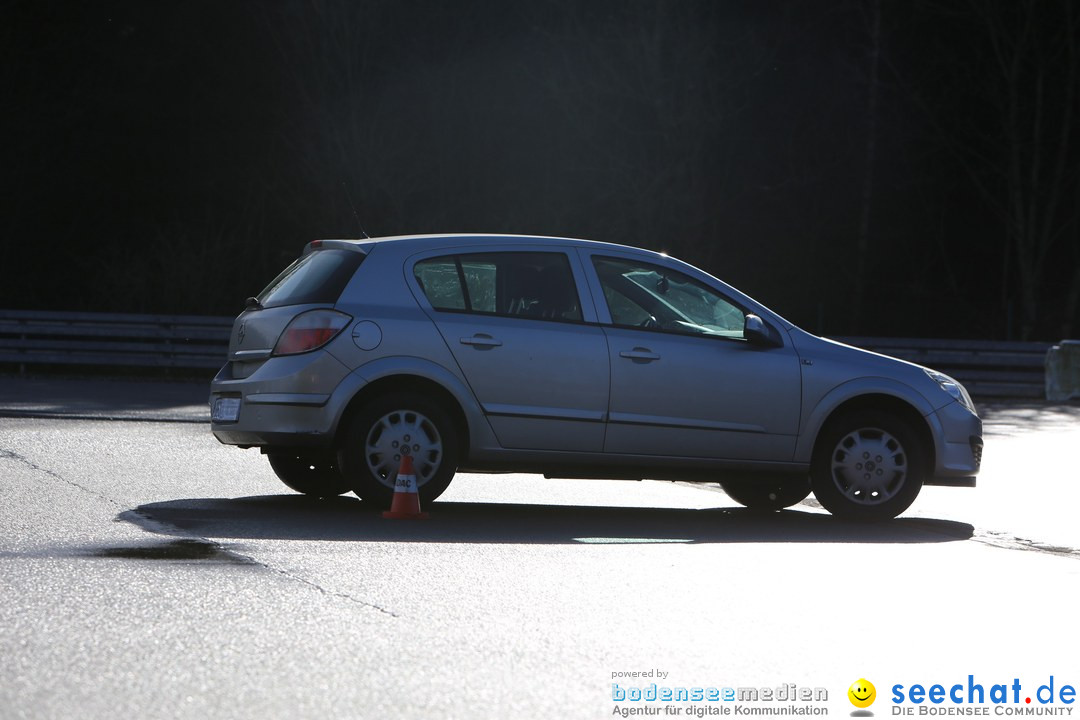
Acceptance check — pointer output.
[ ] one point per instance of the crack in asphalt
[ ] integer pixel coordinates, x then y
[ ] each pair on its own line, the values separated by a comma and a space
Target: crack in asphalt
158, 527
309, 583
325, 591
161, 527
16, 457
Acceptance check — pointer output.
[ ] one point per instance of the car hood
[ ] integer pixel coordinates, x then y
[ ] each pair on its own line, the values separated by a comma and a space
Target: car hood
829, 363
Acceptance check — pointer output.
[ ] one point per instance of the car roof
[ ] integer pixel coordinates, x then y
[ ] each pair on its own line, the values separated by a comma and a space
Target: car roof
450, 241
434, 241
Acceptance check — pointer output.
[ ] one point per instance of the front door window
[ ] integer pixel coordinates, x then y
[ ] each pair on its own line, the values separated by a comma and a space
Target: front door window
651, 297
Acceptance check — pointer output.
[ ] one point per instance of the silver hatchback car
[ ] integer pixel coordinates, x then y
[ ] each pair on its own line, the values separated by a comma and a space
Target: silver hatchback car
571, 358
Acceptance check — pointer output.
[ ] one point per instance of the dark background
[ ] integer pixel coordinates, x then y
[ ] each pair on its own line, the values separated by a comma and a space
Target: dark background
878, 167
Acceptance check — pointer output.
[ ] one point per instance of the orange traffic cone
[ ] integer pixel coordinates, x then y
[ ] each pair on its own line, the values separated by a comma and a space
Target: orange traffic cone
406, 502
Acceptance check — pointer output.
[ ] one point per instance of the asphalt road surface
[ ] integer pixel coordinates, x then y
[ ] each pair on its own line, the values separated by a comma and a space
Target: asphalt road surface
147, 571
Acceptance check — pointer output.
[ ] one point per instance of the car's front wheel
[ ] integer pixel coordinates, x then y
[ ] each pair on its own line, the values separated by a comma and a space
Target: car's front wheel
869, 465
767, 494
311, 473
389, 427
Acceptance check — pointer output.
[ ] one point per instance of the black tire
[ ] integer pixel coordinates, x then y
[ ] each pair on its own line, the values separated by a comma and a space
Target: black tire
369, 459
307, 472
868, 465
768, 493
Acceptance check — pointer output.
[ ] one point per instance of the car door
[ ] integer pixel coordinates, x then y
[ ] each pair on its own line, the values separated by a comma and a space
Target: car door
514, 320
684, 379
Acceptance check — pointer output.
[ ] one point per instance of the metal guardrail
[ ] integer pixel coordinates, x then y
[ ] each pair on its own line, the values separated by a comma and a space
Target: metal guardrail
29, 337
987, 368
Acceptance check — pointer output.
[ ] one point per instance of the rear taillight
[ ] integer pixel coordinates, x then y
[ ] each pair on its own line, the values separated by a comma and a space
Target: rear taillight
310, 331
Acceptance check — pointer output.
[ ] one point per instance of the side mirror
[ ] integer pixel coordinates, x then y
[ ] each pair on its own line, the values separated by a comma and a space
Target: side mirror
757, 332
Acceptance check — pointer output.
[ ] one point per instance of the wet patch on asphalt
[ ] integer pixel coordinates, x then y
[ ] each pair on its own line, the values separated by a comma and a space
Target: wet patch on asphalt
183, 550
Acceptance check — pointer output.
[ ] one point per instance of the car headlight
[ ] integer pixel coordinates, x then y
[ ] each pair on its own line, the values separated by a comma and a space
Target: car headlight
953, 388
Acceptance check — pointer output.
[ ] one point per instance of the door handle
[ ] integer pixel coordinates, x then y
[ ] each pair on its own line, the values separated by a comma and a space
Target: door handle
640, 353
481, 340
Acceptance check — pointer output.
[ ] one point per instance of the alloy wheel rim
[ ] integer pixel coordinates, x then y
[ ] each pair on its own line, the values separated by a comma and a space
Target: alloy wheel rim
869, 466
398, 433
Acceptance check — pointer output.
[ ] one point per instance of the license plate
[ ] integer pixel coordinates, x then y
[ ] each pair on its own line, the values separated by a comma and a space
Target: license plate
225, 410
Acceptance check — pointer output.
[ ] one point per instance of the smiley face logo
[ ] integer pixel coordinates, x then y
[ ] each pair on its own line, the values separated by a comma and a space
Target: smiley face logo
862, 693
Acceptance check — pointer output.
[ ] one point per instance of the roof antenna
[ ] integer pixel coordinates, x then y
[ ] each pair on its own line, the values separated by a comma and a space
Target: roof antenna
356, 215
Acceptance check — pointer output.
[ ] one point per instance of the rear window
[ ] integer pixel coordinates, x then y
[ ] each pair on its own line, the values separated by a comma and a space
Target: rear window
318, 277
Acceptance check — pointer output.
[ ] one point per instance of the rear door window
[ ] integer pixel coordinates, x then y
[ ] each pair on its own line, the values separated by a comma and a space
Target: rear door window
318, 277
517, 284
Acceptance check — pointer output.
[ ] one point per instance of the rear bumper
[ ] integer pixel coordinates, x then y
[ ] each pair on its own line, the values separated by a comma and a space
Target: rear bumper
272, 412
277, 424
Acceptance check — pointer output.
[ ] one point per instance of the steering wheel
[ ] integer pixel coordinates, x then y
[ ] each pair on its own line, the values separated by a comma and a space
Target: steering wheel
649, 323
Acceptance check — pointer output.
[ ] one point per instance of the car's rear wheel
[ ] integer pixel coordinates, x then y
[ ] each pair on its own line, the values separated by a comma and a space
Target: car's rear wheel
768, 494
308, 472
869, 465
376, 438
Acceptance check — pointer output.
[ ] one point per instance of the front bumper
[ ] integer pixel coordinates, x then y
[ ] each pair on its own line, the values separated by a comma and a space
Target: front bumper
958, 444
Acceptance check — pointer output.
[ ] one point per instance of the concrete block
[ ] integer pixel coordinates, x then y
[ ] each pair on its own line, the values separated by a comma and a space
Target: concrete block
1063, 371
